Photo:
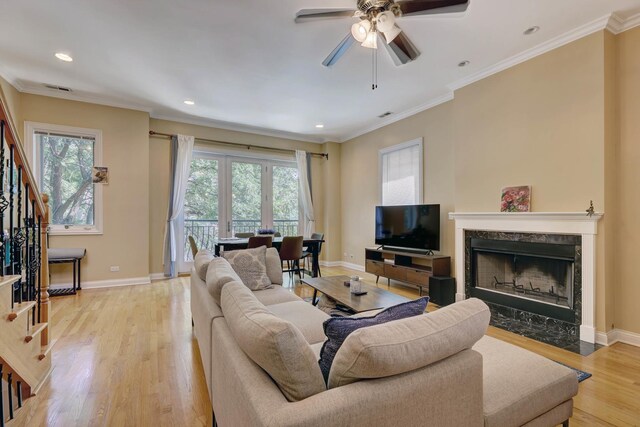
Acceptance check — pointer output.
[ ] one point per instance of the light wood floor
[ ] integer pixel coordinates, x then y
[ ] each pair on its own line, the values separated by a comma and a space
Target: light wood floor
127, 357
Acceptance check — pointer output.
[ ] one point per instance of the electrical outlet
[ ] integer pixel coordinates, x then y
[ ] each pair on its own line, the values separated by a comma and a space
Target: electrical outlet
114, 268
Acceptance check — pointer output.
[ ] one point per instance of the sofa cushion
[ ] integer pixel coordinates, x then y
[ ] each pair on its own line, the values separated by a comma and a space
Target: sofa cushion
275, 295
337, 329
408, 344
201, 262
519, 385
274, 266
276, 345
303, 316
219, 273
250, 264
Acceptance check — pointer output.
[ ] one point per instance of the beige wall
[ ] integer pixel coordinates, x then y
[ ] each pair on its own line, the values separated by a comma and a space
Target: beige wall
125, 242
540, 123
360, 180
159, 177
627, 291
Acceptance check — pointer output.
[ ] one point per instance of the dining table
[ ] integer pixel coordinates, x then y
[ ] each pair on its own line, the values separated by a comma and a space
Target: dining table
233, 243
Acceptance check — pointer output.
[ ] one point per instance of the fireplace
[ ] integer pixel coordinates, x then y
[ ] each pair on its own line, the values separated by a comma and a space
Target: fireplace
535, 270
525, 272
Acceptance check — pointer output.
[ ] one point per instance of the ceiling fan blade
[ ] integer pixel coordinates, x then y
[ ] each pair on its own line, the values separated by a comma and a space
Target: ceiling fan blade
340, 50
432, 7
313, 14
401, 49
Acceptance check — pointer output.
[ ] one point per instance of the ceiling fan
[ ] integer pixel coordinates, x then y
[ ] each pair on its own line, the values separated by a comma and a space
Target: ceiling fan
378, 21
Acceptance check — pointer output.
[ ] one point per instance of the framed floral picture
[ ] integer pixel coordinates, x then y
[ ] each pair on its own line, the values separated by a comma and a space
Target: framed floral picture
516, 199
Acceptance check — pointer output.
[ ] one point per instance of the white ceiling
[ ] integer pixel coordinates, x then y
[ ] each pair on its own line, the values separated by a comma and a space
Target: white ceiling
251, 67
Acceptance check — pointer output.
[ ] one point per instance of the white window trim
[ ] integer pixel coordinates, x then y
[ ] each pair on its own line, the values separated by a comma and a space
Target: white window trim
414, 142
31, 152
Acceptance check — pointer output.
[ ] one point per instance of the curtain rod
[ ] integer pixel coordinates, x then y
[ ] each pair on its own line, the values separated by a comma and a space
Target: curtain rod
247, 146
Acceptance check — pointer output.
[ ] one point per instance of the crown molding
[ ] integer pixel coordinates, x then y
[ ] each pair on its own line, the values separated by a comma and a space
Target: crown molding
91, 99
433, 102
242, 128
617, 24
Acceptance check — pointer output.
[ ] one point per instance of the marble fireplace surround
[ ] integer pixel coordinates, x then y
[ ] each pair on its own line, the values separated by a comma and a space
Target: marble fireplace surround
577, 223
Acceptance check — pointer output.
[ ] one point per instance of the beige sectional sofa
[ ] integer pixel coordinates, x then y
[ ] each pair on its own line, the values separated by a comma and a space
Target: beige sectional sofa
259, 351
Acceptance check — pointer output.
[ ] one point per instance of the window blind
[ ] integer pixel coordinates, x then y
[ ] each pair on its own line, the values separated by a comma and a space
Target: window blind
401, 175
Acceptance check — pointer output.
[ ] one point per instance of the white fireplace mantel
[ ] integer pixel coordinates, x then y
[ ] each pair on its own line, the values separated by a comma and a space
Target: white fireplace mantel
578, 223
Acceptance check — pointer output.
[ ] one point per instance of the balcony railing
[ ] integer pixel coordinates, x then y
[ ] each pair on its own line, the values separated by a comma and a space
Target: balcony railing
206, 231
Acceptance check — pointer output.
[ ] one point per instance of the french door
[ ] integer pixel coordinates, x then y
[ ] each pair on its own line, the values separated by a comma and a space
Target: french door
228, 195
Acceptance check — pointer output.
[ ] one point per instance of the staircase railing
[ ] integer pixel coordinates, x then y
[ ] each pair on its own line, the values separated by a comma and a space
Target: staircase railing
24, 218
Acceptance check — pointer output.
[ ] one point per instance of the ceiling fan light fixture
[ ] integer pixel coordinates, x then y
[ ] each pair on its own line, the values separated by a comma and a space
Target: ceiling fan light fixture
371, 42
385, 21
392, 33
360, 30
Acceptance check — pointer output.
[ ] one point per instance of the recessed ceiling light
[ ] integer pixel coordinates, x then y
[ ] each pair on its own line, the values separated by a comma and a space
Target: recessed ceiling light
319, 126
64, 57
531, 30
464, 63
189, 102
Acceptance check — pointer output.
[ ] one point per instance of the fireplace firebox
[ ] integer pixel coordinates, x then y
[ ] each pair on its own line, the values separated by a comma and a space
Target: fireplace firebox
530, 276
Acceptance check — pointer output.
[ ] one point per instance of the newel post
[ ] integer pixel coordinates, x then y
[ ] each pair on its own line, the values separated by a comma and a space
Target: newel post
45, 303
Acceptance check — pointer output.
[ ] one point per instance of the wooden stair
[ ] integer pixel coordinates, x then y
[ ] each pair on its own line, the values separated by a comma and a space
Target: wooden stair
21, 349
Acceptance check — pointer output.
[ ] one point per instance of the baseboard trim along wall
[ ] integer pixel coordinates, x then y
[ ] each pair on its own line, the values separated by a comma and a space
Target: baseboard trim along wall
618, 335
95, 284
342, 264
156, 276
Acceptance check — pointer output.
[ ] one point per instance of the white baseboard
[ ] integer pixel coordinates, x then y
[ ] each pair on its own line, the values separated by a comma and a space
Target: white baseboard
156, 276
330, 263
95, 284
618, 335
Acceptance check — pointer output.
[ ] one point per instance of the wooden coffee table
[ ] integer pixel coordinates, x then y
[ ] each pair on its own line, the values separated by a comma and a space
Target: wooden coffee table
334, 288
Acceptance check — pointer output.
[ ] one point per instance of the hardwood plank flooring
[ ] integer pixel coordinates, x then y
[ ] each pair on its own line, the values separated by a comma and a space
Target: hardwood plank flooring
127, 357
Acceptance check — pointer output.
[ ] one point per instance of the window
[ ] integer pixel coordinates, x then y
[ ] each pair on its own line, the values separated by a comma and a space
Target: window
64, 158
401, 174
229, 194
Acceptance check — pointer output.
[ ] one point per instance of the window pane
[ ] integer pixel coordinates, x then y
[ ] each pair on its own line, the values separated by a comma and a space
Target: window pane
286, 210
401, 176
201, 205
66, 164
246, 197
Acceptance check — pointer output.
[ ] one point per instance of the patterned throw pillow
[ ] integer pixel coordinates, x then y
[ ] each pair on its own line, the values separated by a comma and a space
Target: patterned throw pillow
337, 329
250, 265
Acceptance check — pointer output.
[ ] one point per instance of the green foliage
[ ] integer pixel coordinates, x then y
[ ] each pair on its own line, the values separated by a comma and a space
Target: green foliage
285, 193
66, 166
201, 200
246, 191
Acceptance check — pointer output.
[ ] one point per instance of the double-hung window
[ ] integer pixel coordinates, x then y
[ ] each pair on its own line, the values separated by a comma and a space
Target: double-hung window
63, 159
401, 174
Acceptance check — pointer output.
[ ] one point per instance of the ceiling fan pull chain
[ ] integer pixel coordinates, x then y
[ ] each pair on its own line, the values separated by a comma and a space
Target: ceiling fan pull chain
374, 69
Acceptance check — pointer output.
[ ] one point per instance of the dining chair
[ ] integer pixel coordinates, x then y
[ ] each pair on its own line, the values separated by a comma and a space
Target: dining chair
257, 241
291, 251
244, 235
194, 247
306, 253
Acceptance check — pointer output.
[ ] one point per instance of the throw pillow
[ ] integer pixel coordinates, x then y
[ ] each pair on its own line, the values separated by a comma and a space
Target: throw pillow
274, 344
201, 262
408, 344
219, 274
337, 329
250, 264
274, 266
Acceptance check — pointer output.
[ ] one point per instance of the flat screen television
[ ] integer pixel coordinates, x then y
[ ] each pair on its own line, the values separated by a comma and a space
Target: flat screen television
413, 227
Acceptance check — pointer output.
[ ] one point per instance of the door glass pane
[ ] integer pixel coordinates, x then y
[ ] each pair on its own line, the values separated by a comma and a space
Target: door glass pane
286, 210
201, 205
246, 197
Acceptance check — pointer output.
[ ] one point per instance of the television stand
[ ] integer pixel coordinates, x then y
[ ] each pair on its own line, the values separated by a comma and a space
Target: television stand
411, 267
